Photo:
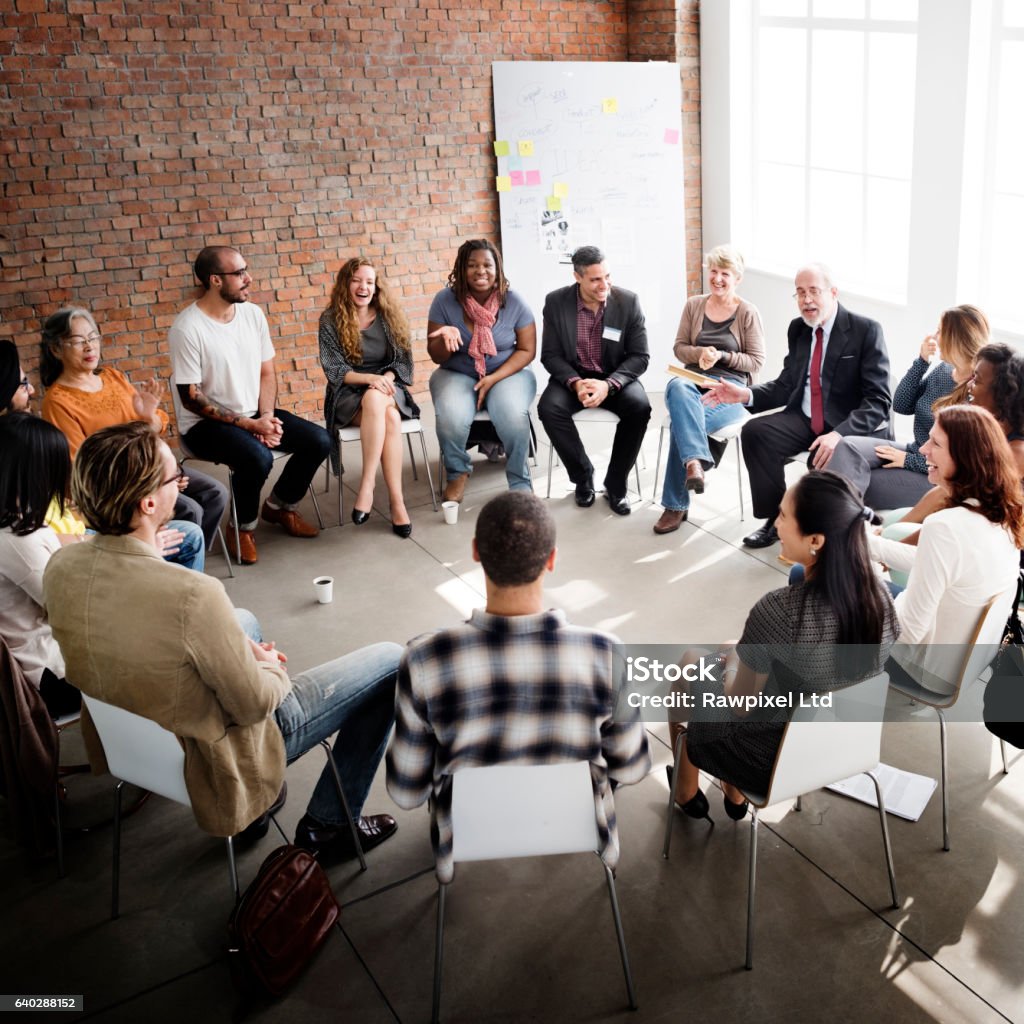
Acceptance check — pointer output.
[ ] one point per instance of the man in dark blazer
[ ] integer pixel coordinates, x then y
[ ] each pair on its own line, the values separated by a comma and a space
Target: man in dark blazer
594, 346
850, 395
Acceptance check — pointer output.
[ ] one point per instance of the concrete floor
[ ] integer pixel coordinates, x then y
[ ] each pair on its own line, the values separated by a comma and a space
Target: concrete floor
532, 940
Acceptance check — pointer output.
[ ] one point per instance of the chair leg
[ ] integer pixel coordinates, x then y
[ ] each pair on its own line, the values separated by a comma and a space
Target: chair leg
677, 749
316, 506
341, 484
630, 991
344, 803
234, 510
60, 828
116, 860
233, 869
751, 880
739, 475
885, 841
1002, 750
636, 469
551, 456
435, 1012
945, 779
799, 805
657, 461
426, 465
224, 550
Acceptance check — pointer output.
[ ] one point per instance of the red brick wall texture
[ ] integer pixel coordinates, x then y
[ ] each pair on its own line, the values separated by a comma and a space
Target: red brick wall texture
135, 132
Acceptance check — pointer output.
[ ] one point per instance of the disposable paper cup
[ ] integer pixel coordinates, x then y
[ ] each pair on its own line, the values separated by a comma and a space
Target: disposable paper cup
324, 587
451, 512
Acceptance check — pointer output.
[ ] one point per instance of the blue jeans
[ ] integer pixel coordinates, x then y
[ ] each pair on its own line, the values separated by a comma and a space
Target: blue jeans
508, 403
192, 550
202, 502
690, 422
251, 460
353, 696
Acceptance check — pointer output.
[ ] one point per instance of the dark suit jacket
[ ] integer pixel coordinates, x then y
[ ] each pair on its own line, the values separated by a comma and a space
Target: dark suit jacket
854, 377
622, 361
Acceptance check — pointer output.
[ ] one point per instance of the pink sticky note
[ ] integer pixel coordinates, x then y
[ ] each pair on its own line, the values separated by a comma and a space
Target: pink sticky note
517, 177
533, 177
671, 136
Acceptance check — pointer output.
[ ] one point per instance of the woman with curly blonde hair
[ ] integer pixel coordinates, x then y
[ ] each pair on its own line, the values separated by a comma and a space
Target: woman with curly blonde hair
366, 355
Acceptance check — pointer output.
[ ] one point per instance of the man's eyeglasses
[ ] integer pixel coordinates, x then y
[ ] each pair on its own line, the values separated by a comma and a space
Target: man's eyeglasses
244, 272
77, 341
176, 479
807, 293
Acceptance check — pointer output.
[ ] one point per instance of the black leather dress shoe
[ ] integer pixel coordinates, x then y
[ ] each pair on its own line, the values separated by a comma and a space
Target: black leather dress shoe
256, 830
333, 843
619, 505
763, 537
585, 493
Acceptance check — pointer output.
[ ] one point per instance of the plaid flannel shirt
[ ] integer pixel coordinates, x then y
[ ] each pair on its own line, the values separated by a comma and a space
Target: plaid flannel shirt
527, 689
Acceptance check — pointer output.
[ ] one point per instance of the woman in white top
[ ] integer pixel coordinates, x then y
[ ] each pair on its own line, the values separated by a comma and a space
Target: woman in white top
966, 553
34, 471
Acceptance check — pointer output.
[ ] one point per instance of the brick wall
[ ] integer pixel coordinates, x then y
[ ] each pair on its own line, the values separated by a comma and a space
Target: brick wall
302, 133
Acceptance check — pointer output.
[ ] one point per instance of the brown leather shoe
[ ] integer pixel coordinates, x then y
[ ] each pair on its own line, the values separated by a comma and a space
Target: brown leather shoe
242, 549
670, 521
695, 476
455, 489
290, 519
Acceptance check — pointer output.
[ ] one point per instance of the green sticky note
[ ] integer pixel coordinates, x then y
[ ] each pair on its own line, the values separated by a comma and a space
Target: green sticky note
554, 203
503, 183
560, 189
501, 148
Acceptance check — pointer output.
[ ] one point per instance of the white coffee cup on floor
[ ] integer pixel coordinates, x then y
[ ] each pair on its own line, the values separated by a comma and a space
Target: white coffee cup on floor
324, 587
451, 512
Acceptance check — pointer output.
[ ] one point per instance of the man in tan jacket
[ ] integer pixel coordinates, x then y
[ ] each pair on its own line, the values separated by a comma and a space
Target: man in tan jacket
165, 643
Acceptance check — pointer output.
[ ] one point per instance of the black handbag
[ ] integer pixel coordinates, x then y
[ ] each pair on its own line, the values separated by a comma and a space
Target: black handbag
1004, 694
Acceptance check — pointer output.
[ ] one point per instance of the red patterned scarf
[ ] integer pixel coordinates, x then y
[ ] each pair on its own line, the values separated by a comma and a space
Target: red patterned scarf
483, 319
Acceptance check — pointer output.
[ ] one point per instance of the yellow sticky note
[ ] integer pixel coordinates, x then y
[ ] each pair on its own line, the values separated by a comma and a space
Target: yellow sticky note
503, 183
610, 105
501, 148
560, 189
526, 147
554, 203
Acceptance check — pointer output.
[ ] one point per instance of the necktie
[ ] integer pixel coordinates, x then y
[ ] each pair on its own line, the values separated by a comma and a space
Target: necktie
817, 409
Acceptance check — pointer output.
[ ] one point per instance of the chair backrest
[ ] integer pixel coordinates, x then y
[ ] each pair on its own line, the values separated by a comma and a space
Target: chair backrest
823, 745
523, 811
984, 641
139, 751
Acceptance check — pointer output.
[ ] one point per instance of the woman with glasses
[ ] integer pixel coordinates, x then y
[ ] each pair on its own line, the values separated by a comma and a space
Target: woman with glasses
15, 389
82, 397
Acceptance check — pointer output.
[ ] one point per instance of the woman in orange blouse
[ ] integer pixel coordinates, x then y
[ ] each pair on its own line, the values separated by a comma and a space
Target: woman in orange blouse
81, 398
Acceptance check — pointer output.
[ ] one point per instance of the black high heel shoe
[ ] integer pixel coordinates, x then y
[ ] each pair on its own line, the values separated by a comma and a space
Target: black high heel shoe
697, 806
735, 811
359, 517
402, 530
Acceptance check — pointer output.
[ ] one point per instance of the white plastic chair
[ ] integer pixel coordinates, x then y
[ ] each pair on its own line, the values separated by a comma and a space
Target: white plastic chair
731, 431
524, 811
597, 415
820, 746
352, 433
188, 456
978, 653
141, 752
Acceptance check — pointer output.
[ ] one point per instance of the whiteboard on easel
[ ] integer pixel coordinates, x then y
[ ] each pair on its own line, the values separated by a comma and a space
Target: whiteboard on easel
591, 154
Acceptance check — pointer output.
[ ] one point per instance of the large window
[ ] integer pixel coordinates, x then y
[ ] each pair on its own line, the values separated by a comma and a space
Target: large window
833, 129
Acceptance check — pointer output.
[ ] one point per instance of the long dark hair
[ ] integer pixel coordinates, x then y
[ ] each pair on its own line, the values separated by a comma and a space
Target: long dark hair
1007, 383
35, 465
842, 577
457, 278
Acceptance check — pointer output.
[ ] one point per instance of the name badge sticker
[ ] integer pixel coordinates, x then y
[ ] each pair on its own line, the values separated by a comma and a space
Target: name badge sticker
612, 334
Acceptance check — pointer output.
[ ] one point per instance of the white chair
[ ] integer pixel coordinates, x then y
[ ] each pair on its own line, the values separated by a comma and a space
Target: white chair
524, 811
819, 747
597, 415
352, 433
188, 456
731, 431
978, 653
141, 752
483, 416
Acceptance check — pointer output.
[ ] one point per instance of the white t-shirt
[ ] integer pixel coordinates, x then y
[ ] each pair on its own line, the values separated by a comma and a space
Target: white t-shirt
223, 359
23, 623
960, 562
